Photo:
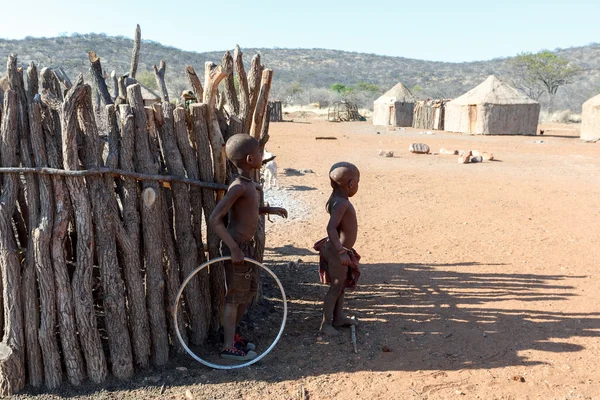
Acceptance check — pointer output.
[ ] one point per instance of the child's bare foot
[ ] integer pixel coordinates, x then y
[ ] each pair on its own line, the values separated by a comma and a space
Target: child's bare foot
329, 330
345, 321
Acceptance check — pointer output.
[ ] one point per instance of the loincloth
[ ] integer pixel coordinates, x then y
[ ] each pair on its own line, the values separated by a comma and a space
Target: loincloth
353, 271
241, 279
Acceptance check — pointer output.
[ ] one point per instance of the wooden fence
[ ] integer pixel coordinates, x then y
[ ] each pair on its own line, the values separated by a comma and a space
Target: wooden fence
429, 114
276, 111
101, 217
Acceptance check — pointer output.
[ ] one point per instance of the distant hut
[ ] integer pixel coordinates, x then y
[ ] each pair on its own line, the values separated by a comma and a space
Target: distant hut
493, 108
590, 120
395, 107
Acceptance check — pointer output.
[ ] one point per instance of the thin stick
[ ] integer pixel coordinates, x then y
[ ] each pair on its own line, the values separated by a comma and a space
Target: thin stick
353, 328
112, 171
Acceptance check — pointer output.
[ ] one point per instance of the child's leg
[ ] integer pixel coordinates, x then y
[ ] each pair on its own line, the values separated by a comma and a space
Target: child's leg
338, 313
230, 319
337, 275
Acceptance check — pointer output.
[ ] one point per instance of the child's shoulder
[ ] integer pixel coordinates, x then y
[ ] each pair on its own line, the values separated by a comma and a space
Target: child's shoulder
335, 202
241, 184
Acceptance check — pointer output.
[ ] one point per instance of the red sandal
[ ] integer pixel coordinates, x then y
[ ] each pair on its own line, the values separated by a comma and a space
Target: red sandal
233, 353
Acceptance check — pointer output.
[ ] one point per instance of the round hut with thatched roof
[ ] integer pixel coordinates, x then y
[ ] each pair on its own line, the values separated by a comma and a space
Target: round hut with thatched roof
395, 107
493, 108
590, 120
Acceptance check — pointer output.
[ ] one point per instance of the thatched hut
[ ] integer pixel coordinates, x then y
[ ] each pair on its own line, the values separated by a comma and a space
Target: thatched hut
493, 108
590, 120
395, 107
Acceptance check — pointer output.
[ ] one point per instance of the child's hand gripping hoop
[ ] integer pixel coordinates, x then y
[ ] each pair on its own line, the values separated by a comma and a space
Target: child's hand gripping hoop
217, 366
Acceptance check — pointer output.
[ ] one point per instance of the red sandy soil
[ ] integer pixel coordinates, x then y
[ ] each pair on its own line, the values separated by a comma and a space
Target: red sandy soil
481, 279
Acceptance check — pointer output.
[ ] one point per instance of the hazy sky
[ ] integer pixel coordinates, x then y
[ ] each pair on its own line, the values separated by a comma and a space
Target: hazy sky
451, 30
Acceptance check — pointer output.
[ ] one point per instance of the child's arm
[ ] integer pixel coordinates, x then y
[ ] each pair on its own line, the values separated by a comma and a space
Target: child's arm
338, 209
282, 212
216, 222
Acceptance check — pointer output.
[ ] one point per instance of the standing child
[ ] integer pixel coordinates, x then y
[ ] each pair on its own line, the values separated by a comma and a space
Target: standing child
338, 260
241, 203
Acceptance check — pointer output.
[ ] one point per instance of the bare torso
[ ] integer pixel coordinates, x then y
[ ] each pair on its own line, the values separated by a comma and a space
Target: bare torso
348, 226
243, 215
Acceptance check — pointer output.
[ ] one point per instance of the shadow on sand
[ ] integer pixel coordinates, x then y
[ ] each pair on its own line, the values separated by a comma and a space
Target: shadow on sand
433, 317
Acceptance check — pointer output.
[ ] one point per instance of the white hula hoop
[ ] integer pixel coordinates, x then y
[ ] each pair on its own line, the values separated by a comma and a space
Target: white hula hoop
217, 366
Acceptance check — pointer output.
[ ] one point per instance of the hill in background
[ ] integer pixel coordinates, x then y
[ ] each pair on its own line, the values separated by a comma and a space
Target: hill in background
301, 75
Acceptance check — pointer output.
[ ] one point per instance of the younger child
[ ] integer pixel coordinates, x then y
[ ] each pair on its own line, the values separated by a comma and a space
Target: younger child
241, 204
338, 260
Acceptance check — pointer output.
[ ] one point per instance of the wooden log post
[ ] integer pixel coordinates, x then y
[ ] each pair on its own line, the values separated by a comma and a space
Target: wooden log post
33, 83
254, 77
244, 91
213, 76
50, 82
190, 162
98, 81
42, 235
30, 298
260, 235
159, 73
152, 230
82, 277
195, 83
164, 124
106, 249
229, 85
128, 239
71, 351
12, 366
135, 54
186, 243
217, 282
115, 84
261, 103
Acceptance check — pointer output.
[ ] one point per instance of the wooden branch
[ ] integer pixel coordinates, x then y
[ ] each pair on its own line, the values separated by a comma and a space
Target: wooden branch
12, 368
235, 126
212, 77
254, 77
135, 54
71, 351
244, 91
63, 79
159, 73
217, 284
119, 344
50, 84
41, 242
98, 81
128, 239
186, 243
30, 299
152, 226
229, 85
195, 83
115, 172
115, 84
33, 85
190, 162
261, 103
82, 277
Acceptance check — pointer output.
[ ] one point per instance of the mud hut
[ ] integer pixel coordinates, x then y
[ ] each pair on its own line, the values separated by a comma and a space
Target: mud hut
590, 120
395, 107
493, 108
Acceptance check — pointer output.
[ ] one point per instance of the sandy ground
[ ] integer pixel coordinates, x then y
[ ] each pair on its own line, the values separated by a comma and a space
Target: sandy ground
480, 279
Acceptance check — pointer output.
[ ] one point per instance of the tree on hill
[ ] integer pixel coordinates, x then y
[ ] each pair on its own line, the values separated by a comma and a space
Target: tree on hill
542, 72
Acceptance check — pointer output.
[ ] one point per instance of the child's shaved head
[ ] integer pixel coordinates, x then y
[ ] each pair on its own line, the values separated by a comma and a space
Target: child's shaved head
239, 146
342, 172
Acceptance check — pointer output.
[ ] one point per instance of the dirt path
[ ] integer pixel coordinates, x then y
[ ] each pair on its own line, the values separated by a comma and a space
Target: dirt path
481, 278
